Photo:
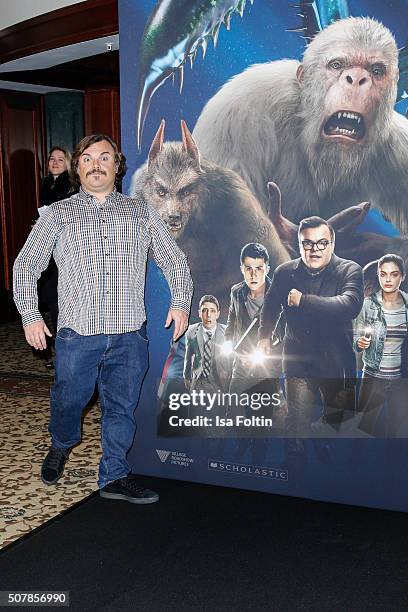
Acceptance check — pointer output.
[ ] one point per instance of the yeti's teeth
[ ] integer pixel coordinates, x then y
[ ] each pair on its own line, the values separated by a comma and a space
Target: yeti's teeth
338, 115
358, 119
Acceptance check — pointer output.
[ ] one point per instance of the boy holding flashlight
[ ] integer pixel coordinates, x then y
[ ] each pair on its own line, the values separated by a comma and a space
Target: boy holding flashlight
247, 299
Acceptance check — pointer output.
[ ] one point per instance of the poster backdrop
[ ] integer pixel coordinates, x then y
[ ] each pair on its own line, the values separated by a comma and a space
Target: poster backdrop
367, 470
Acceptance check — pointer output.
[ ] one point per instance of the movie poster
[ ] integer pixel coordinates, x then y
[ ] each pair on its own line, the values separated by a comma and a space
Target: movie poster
239, 121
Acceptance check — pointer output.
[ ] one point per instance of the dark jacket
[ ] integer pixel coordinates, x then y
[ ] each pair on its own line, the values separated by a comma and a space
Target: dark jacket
239, 320
318, 341
54, 191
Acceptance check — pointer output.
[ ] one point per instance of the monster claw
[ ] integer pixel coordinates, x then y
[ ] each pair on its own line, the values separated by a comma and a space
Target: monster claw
296, 30
215, 33
227, 20
173, 33
318, 14
241, 7
204, 44
181, 75
192, 57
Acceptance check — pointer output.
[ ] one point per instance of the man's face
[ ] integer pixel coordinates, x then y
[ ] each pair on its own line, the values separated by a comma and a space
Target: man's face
315, 258
97, 168
208, 314
390, 277
254, 270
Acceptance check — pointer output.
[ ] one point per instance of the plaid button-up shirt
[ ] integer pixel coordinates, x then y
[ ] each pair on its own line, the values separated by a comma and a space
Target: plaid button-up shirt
101, 253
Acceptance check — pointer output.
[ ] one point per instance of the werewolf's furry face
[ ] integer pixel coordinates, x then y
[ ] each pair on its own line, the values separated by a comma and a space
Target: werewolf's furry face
173, 186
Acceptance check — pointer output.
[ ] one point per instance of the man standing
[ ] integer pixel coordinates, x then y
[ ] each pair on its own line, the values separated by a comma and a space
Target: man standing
100, 241
205, 365
320, 295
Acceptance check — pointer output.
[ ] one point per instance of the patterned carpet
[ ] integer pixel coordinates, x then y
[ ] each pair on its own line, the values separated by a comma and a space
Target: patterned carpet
25, 502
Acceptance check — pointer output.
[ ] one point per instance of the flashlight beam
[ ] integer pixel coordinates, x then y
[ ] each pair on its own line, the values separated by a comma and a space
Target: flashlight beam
245, 333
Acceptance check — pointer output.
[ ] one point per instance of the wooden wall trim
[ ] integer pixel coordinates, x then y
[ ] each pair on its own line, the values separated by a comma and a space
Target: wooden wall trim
4, 276
76, 23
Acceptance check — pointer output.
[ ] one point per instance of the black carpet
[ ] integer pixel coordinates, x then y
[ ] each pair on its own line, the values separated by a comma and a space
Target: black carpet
211, 548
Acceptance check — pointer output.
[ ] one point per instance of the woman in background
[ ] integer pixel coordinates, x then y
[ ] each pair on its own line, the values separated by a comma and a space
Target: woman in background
55, 186
381, 333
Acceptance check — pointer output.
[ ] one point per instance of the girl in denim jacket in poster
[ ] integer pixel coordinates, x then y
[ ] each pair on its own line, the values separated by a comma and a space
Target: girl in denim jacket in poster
381, 334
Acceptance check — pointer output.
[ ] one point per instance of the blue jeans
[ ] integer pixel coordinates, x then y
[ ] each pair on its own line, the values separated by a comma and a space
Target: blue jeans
117, 363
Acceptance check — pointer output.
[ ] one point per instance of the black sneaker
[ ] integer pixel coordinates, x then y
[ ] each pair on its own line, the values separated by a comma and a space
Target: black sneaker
127, 489
53, 465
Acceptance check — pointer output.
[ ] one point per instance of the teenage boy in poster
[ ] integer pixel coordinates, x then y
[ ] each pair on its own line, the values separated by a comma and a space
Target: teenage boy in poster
247, 299
320, 295
205, 365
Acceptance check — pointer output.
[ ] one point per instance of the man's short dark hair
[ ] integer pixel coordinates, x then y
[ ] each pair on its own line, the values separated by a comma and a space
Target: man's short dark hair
88, 141
256, 250
314, 221
392, 258
209, 298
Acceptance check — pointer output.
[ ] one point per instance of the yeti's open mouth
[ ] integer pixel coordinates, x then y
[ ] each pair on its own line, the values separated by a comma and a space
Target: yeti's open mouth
175, 227
345, 123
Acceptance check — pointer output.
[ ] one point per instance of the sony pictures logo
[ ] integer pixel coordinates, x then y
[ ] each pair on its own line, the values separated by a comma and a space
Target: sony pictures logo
178, 458
240, 469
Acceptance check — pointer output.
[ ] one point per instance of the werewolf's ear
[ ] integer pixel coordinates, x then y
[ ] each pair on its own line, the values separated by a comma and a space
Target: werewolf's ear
189, 144
157, 144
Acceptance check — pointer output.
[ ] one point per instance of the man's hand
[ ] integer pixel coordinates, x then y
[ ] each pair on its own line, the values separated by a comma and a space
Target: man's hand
247, 362
364, 342
294, 297
265, 346
35, 335
180, 319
